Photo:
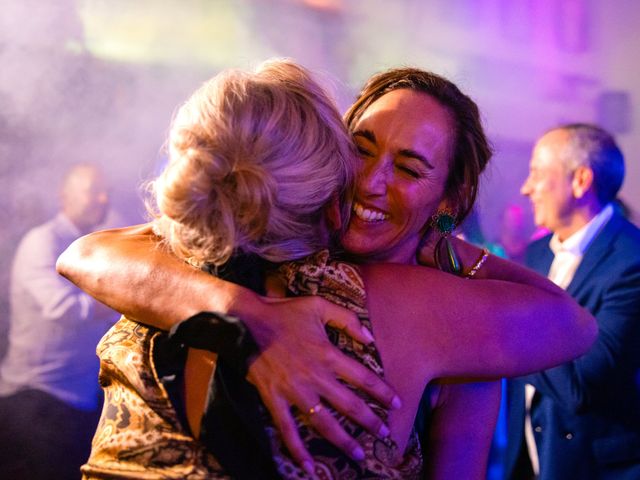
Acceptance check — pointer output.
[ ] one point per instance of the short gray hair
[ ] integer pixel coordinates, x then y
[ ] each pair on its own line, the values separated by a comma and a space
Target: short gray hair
594, 147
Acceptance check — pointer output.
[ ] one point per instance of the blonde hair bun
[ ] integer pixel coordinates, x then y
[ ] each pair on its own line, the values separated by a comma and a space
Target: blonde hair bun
253, 160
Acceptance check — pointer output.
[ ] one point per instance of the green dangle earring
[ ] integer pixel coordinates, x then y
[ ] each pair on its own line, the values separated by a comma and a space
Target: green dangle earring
444, 256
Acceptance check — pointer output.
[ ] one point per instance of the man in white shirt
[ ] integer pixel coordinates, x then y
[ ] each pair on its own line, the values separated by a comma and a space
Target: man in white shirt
581, 420
49, 392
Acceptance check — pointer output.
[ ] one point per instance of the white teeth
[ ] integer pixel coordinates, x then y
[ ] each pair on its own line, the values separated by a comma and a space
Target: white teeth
367, 214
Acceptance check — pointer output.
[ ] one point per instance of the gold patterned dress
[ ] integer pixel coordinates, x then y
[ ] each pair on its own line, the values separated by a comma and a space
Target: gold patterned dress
141, 436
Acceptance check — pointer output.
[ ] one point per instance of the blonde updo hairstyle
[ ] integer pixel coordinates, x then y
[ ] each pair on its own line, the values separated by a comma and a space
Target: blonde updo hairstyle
254, 159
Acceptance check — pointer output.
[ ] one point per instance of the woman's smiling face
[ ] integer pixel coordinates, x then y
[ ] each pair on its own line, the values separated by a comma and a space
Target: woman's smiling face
405, 140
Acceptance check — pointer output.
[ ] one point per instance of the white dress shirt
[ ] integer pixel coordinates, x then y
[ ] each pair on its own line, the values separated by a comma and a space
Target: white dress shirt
53, 330
566, 260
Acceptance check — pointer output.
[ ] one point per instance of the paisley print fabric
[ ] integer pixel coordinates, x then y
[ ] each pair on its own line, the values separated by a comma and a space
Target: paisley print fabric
141, 437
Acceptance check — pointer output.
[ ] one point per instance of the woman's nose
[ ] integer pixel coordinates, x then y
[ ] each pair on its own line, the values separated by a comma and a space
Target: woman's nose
374, 179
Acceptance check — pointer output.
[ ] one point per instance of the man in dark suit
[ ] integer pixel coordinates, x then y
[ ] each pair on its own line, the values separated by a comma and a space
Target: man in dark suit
581, 420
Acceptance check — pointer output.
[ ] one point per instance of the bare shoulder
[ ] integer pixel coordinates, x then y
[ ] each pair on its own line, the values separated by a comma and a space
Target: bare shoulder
141, 231
118, 239
414, 312
415, 289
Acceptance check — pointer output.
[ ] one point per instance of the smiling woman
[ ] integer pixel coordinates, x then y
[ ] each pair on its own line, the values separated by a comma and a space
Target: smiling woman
423, 149
405, 144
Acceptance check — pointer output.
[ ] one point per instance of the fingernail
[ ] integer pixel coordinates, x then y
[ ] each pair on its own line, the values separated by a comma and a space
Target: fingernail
383, 431
308, 467
358, 453
396, 402
367, 334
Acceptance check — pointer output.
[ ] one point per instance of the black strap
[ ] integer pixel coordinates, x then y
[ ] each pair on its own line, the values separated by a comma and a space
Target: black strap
222, 334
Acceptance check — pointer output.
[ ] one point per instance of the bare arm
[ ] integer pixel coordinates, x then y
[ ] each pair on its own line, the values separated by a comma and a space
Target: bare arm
129, 270
461, 429
479, 327
132, 272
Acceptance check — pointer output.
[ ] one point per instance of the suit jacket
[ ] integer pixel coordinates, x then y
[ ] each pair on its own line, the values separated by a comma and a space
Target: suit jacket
586, 413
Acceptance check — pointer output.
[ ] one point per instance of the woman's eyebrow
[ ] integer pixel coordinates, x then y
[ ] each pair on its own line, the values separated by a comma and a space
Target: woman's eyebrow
407, 152
367, 134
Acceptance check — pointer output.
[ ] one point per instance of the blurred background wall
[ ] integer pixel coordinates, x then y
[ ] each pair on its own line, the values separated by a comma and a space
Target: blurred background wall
98, 80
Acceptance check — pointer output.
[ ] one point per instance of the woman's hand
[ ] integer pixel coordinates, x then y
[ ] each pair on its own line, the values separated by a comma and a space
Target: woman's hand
298, 366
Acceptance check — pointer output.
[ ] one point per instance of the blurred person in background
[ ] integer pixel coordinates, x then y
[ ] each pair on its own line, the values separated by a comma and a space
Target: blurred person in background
49, 394
582, 419
515, 232
471, 231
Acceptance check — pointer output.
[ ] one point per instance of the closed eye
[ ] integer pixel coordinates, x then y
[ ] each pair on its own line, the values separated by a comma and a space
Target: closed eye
409, 171
364, 152
364, 136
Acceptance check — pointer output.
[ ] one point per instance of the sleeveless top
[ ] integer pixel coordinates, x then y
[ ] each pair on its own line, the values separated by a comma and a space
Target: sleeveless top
141, 435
